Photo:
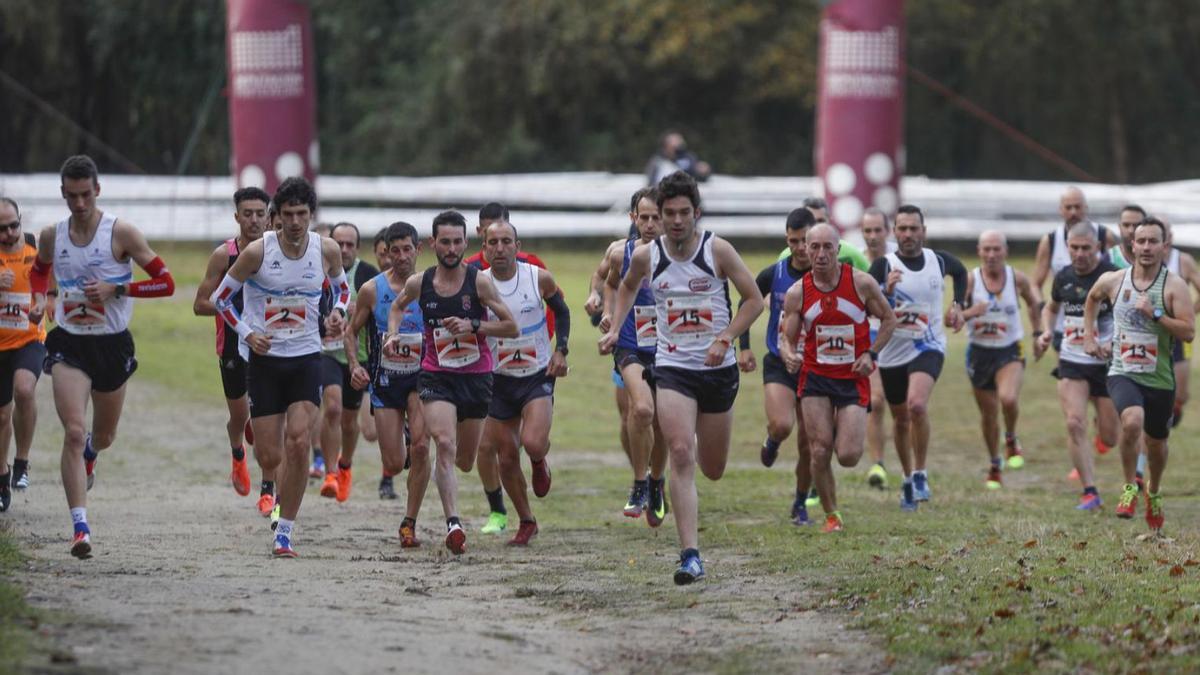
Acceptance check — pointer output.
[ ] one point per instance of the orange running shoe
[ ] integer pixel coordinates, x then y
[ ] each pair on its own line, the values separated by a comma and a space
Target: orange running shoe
240, 477
329, 488
833, 523
408, 535
343, 484
528, 530
1101, 448
266, 504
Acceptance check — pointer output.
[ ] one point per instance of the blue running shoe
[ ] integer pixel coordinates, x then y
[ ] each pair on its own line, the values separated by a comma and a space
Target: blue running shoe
920, 487
800, 513
1089, 502
283, 547
690, 570
317, 468
907, 500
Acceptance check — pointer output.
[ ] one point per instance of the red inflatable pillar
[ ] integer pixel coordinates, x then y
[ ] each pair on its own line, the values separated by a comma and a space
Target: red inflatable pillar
860, 108
272, 92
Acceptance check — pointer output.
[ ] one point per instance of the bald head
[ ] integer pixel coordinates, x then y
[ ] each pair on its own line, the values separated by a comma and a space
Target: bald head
1072, 206
993, 238
993, 250
822, 244
824, 232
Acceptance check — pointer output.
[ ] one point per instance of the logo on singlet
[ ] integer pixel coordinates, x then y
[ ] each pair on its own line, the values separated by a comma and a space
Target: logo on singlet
466, 303
275, 265
699, 284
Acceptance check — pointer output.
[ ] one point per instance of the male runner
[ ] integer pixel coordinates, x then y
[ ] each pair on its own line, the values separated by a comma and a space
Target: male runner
383, 259
911, 361
524, 373
1151, 307
830, 308
633, 360
393, 380
339, 429
283, 275
21, 349
876, 232
695, 372
846, 251
995, 360
90, 353
1081, 376
781, 396
250, 211
455, 383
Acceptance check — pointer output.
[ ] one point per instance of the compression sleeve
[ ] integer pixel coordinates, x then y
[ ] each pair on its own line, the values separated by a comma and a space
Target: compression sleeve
39, 276
341, 291
562, 319
958, 274
160, 284
222, 298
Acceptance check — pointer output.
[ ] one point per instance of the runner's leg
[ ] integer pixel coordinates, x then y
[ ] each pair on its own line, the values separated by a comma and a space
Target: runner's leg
297, 423
441, 416
1072, 398
920, 386
817, 412
420, 467
677, 416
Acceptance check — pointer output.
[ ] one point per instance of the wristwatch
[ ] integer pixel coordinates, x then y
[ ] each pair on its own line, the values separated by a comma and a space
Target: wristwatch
874, 355
474, 325
1158, 313
562, 349
119, 291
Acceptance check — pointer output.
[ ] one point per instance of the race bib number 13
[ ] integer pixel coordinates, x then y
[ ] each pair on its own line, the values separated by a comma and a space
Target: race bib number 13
1139, 352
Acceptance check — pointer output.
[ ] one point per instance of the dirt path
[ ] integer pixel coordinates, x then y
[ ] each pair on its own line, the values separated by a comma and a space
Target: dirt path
182, 581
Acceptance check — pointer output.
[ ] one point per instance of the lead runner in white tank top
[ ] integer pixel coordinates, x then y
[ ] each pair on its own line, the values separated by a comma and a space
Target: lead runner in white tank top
281, 299
74, 266
1000, 325
692, 306
523, 298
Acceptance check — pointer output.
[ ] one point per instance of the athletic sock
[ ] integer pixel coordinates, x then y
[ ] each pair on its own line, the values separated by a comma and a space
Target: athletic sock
801, 495
387, 474
411, 522
285, 527
688, 552
316, 452
20, 467
268, 488
343, 465
1091, 490
452, 521
997, 462
641, 483
920, 473
1141, 464
89, 453
496, 500
771, 444
239, 453
79, 518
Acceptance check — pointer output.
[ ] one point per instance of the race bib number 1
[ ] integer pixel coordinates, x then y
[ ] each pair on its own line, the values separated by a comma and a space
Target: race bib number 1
285, 315
835, 344
409, 359
1139, 352
645, 321
689, 320
14, 310
516, 357
455, 351
82, 316
912, 320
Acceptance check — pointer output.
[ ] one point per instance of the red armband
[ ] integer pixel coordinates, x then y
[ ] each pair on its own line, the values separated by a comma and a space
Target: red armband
39, 276
160, 284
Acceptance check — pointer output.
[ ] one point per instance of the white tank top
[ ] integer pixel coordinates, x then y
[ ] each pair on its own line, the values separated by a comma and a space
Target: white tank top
1172, 260
691, 305
282, 298
76, 265
528, 353
1000, 325
918, 307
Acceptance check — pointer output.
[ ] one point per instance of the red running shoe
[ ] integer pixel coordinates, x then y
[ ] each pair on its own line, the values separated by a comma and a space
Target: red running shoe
1127, 506
1101, 448
541, 478
833, 523
528, 530
240, 477
456, 539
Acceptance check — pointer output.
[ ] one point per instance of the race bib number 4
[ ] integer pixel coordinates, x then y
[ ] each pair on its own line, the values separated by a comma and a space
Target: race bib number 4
14, 310
80, 314
285, 315
1139, 352
689, 320
408, 360
835, 344
645, 321
455, 351
516, 357
912, 320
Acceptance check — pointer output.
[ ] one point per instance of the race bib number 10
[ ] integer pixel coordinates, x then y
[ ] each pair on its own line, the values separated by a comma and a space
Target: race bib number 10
835, 344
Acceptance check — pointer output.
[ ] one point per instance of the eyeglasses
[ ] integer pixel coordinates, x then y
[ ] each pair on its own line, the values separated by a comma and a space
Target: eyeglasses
14, 226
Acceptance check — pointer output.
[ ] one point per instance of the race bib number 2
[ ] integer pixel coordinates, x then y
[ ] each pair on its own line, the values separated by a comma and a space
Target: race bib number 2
455, 351
689, 320
14, 310
285, 315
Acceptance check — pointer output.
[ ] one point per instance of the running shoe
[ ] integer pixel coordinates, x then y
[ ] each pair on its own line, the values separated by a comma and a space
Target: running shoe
800, 513
386, 489
690, 570
496, 523
877, 477
908, 500
1089, 502
248, 432
344, 479
1127, 505
265, 504
813, 500
1101, 448
921, 487
240, 477
1154, 511
20, 481
541, 478
283, 547
275, 517
317, 469
456, 539
657, 507
329, 488
1013, 452
833, 523
408, 536
5, 494
639, 499
81, 545
993, 479
767, 455
527, 530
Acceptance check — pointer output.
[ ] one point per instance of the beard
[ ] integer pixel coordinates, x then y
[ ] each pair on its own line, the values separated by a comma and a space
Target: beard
449, 261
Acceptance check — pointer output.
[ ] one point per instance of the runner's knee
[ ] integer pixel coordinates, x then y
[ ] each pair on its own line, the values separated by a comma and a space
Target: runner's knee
918, 409
778, 429
642, 415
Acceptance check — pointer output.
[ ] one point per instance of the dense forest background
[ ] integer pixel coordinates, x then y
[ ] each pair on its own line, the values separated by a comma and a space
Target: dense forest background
421, 87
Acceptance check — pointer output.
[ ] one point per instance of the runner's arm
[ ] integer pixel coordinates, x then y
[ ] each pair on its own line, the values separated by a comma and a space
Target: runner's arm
1101, 290
562, 314
364, 306
505, 325
1180, 319
133, 243
730, 265
202, 305
412, 291
336, 274
1041, 263
43, 263
596, 295
612, 283
639, 267
231, 283
789, 328
975, 309
1187, 270
763, 281
877, 306
1032, 296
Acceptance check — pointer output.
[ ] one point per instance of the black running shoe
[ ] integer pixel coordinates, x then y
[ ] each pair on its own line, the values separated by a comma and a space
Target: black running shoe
386, 489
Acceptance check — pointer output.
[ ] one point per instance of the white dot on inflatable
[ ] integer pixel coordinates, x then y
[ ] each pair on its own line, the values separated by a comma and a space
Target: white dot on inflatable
878, 168
885, 199
839, 179
847, 211
314, 155
289, 164
252, 176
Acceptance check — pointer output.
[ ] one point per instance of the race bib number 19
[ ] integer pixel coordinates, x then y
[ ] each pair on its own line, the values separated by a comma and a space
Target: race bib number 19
409, 359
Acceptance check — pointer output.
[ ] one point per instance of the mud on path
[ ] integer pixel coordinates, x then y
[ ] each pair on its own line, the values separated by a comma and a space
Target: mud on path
182, 580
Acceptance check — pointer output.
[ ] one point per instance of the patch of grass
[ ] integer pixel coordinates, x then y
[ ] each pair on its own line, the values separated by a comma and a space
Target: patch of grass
15, 634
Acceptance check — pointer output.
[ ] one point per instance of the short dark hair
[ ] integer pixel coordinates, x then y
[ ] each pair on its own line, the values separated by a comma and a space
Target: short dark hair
678, 184
1135, 208
381, 236
397, 231
911, 209
250, 193
295, 190
504, 222
814, 203
800, 218
357, 236
79, 166
13, 203
650, 193
493, 211
452, 218
876, 211
1151, 220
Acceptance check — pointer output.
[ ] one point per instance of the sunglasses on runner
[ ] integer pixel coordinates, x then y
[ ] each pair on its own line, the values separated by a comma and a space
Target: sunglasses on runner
14, 225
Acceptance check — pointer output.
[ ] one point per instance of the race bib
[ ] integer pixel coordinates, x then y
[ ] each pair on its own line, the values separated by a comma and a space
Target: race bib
408, 360
285, 315
645, 321
80, 314
1073, 331
835, 344
455, 351
14, 310
912, 320
1138, 352
516, 357
992, 328
332, 344
689, 320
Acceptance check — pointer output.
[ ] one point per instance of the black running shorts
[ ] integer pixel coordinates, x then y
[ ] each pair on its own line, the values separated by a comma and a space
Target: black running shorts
29, 357
774, 372
623, 357
840, 392
1157, 405
274, 383
334, 373
713, 390
984, 362
511, 394
469, 392
895, 380
233, 375
391, 390
108, 359
1095, 374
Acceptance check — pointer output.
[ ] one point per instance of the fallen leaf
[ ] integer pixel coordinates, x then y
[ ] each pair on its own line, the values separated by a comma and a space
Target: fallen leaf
1190, 563
1177, 571
1004, 613
1079, 545
1031, 543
